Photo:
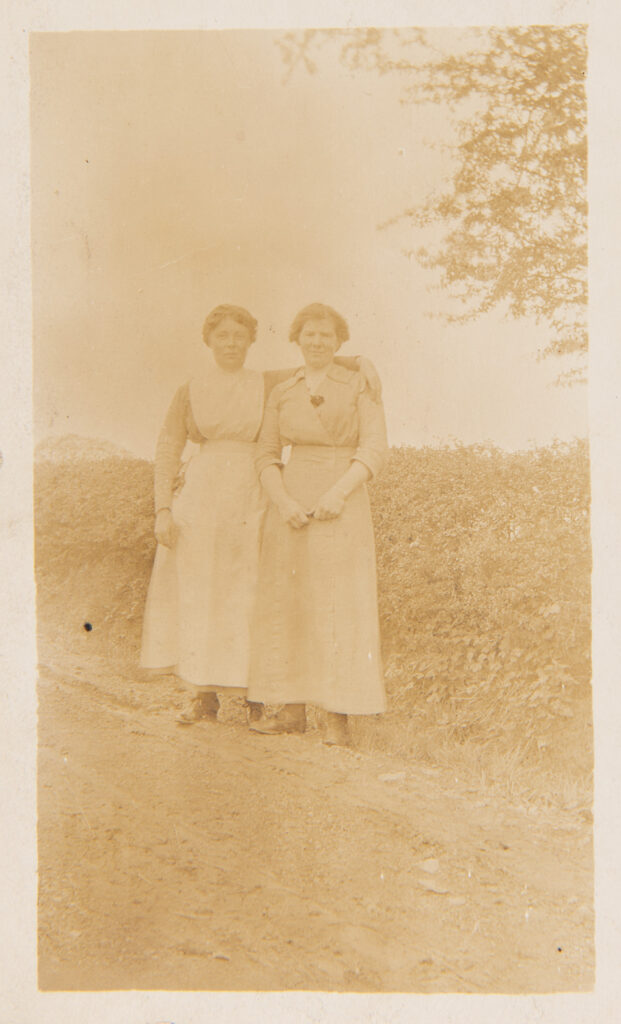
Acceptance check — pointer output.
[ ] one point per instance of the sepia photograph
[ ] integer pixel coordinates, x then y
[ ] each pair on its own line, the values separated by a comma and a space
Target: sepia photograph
312, 510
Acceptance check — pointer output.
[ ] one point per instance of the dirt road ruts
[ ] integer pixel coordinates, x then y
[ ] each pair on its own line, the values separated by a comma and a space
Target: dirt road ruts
211, 858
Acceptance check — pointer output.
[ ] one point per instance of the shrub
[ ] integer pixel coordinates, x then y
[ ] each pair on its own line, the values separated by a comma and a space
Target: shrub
484, 589
94, 549
483, 580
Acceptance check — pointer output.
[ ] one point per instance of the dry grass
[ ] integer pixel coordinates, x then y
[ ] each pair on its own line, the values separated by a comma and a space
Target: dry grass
484, 590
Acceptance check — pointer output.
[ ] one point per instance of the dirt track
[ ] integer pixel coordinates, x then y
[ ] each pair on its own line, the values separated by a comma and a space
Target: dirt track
213, 858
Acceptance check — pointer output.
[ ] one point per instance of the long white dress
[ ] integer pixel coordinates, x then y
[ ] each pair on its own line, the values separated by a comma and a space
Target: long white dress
315, 629
201, 593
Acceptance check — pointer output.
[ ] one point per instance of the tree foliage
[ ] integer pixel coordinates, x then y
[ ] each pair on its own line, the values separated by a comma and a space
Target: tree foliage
514, 212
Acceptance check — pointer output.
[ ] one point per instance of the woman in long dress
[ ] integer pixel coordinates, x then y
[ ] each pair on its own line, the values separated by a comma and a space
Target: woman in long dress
315, 635
207, 524
208, 520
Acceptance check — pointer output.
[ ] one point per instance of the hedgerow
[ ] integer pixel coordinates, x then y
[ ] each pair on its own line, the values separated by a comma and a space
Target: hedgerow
484, 580
483, 584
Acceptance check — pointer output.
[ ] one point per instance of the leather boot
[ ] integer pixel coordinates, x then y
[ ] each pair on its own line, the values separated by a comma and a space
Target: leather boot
254, 711
203, 705
291, 718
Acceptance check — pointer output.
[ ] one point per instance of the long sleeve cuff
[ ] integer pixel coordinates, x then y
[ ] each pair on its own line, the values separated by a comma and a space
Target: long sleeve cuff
373, 460
264, 460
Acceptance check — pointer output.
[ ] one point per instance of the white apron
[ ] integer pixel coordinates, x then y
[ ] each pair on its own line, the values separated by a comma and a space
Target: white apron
201, 594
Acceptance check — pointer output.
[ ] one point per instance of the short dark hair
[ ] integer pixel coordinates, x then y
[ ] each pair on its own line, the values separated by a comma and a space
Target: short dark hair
237, 313
319, 311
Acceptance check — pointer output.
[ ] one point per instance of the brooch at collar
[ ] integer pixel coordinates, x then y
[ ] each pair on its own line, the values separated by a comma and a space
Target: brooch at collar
317, 399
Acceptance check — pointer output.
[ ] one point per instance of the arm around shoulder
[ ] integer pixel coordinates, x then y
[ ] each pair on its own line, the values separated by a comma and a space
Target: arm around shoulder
367, 370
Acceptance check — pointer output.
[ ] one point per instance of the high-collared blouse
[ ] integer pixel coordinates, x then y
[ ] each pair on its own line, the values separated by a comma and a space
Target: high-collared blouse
214, 405
217, 405
342, 414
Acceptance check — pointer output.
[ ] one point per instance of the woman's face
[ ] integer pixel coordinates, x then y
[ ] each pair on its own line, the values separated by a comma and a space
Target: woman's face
318, 342
229, 342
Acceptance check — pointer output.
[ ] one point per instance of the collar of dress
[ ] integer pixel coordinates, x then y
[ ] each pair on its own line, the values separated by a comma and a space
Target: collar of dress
336, 372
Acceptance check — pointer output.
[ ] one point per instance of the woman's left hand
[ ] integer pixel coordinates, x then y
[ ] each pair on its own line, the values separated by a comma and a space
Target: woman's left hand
330, 505
165, 528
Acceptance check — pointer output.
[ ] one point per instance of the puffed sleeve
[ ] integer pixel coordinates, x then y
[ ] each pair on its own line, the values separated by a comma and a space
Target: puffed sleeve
372, 447
269, 445
170, 445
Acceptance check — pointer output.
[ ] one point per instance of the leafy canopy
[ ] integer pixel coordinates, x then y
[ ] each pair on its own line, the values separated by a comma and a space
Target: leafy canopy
514, 212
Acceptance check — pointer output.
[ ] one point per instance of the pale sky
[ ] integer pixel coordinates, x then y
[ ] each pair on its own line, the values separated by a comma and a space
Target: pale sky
173, 171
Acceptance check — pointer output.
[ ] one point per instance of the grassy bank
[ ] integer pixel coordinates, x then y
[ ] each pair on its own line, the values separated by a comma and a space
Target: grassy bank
484, 593
484, 588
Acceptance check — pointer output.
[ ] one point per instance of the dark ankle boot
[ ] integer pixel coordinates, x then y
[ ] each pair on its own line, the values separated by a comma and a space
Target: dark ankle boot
203, 705
254, 711
291, 718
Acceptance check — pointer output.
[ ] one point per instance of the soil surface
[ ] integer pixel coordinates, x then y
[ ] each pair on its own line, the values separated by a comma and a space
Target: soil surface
212, 858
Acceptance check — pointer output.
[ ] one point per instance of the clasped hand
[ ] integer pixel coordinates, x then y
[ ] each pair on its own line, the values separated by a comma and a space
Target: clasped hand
329, 506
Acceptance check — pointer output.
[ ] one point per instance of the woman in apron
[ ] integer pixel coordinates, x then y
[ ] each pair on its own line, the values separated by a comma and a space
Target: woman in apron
208, 521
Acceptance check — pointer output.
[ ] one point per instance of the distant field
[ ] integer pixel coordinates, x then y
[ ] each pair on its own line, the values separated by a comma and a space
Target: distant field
484, 591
